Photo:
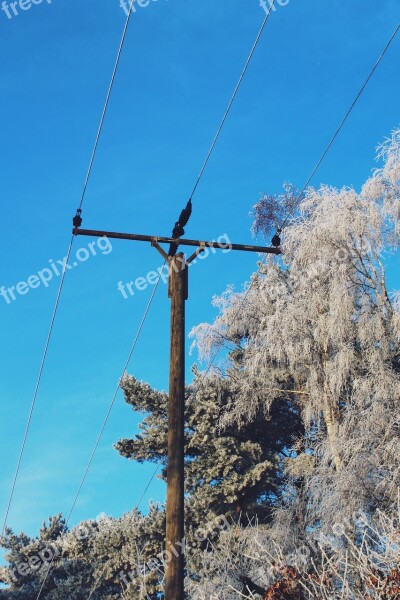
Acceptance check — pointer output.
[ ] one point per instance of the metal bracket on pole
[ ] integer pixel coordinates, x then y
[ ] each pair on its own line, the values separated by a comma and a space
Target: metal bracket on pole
156, 245
195, 254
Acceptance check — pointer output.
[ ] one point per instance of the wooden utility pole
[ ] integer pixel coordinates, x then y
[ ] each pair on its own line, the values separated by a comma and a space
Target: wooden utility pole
178, 293
175, 529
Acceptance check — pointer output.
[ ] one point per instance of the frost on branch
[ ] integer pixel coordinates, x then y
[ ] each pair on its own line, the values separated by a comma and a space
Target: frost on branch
272, 211
261, 563
320, 326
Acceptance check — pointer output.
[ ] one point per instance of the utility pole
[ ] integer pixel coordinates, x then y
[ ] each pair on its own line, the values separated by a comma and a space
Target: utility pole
178, 293
175, 528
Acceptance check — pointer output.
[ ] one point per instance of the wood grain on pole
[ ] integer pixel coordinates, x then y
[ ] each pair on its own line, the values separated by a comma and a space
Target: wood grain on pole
174, 568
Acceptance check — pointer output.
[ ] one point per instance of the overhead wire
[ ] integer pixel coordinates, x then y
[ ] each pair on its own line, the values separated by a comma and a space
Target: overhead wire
325, 152
341, 124
36, 389
136, 508
107, 101
178, 229
60, 288
208, 156
111, 405
105, 421
193, 192
231, 101
311, 176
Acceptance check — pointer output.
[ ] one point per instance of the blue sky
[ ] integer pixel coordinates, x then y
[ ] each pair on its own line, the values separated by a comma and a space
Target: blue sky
179, 66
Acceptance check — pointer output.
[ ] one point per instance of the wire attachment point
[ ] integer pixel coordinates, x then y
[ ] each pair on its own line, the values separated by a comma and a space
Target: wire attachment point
77, 220
179, 230
276, 240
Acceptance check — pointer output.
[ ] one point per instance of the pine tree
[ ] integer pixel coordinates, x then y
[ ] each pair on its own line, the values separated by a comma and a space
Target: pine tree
231, 474
102, 557
228, 471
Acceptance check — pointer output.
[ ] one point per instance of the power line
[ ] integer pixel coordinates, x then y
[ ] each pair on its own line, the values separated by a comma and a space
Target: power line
105, 421
136, 508
194, 190
146, 312
253, 49
110, 87
318, 164
33, 403
57, 302
340, 127
148, 484
307, 183
236, 90
178, 230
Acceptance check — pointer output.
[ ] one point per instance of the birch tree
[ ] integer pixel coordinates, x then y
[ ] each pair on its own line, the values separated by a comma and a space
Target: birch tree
321, 325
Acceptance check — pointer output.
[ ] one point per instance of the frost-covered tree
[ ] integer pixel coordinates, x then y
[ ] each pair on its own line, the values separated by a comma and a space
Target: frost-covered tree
227, 472
105, 557
250, 564
295, 437
321, 325
231, 472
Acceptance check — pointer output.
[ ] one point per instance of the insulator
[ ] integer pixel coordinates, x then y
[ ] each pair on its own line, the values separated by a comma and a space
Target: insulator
77, 220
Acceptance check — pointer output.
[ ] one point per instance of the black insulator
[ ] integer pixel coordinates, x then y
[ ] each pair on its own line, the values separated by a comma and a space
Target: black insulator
276, 241
77, 220
178, 230
185, 214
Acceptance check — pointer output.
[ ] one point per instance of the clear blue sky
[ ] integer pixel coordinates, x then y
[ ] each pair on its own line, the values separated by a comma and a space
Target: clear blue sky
181, 61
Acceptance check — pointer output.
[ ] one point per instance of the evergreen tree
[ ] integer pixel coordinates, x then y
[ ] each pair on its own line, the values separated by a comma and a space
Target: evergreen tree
228, 471
105, 558
231, 474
